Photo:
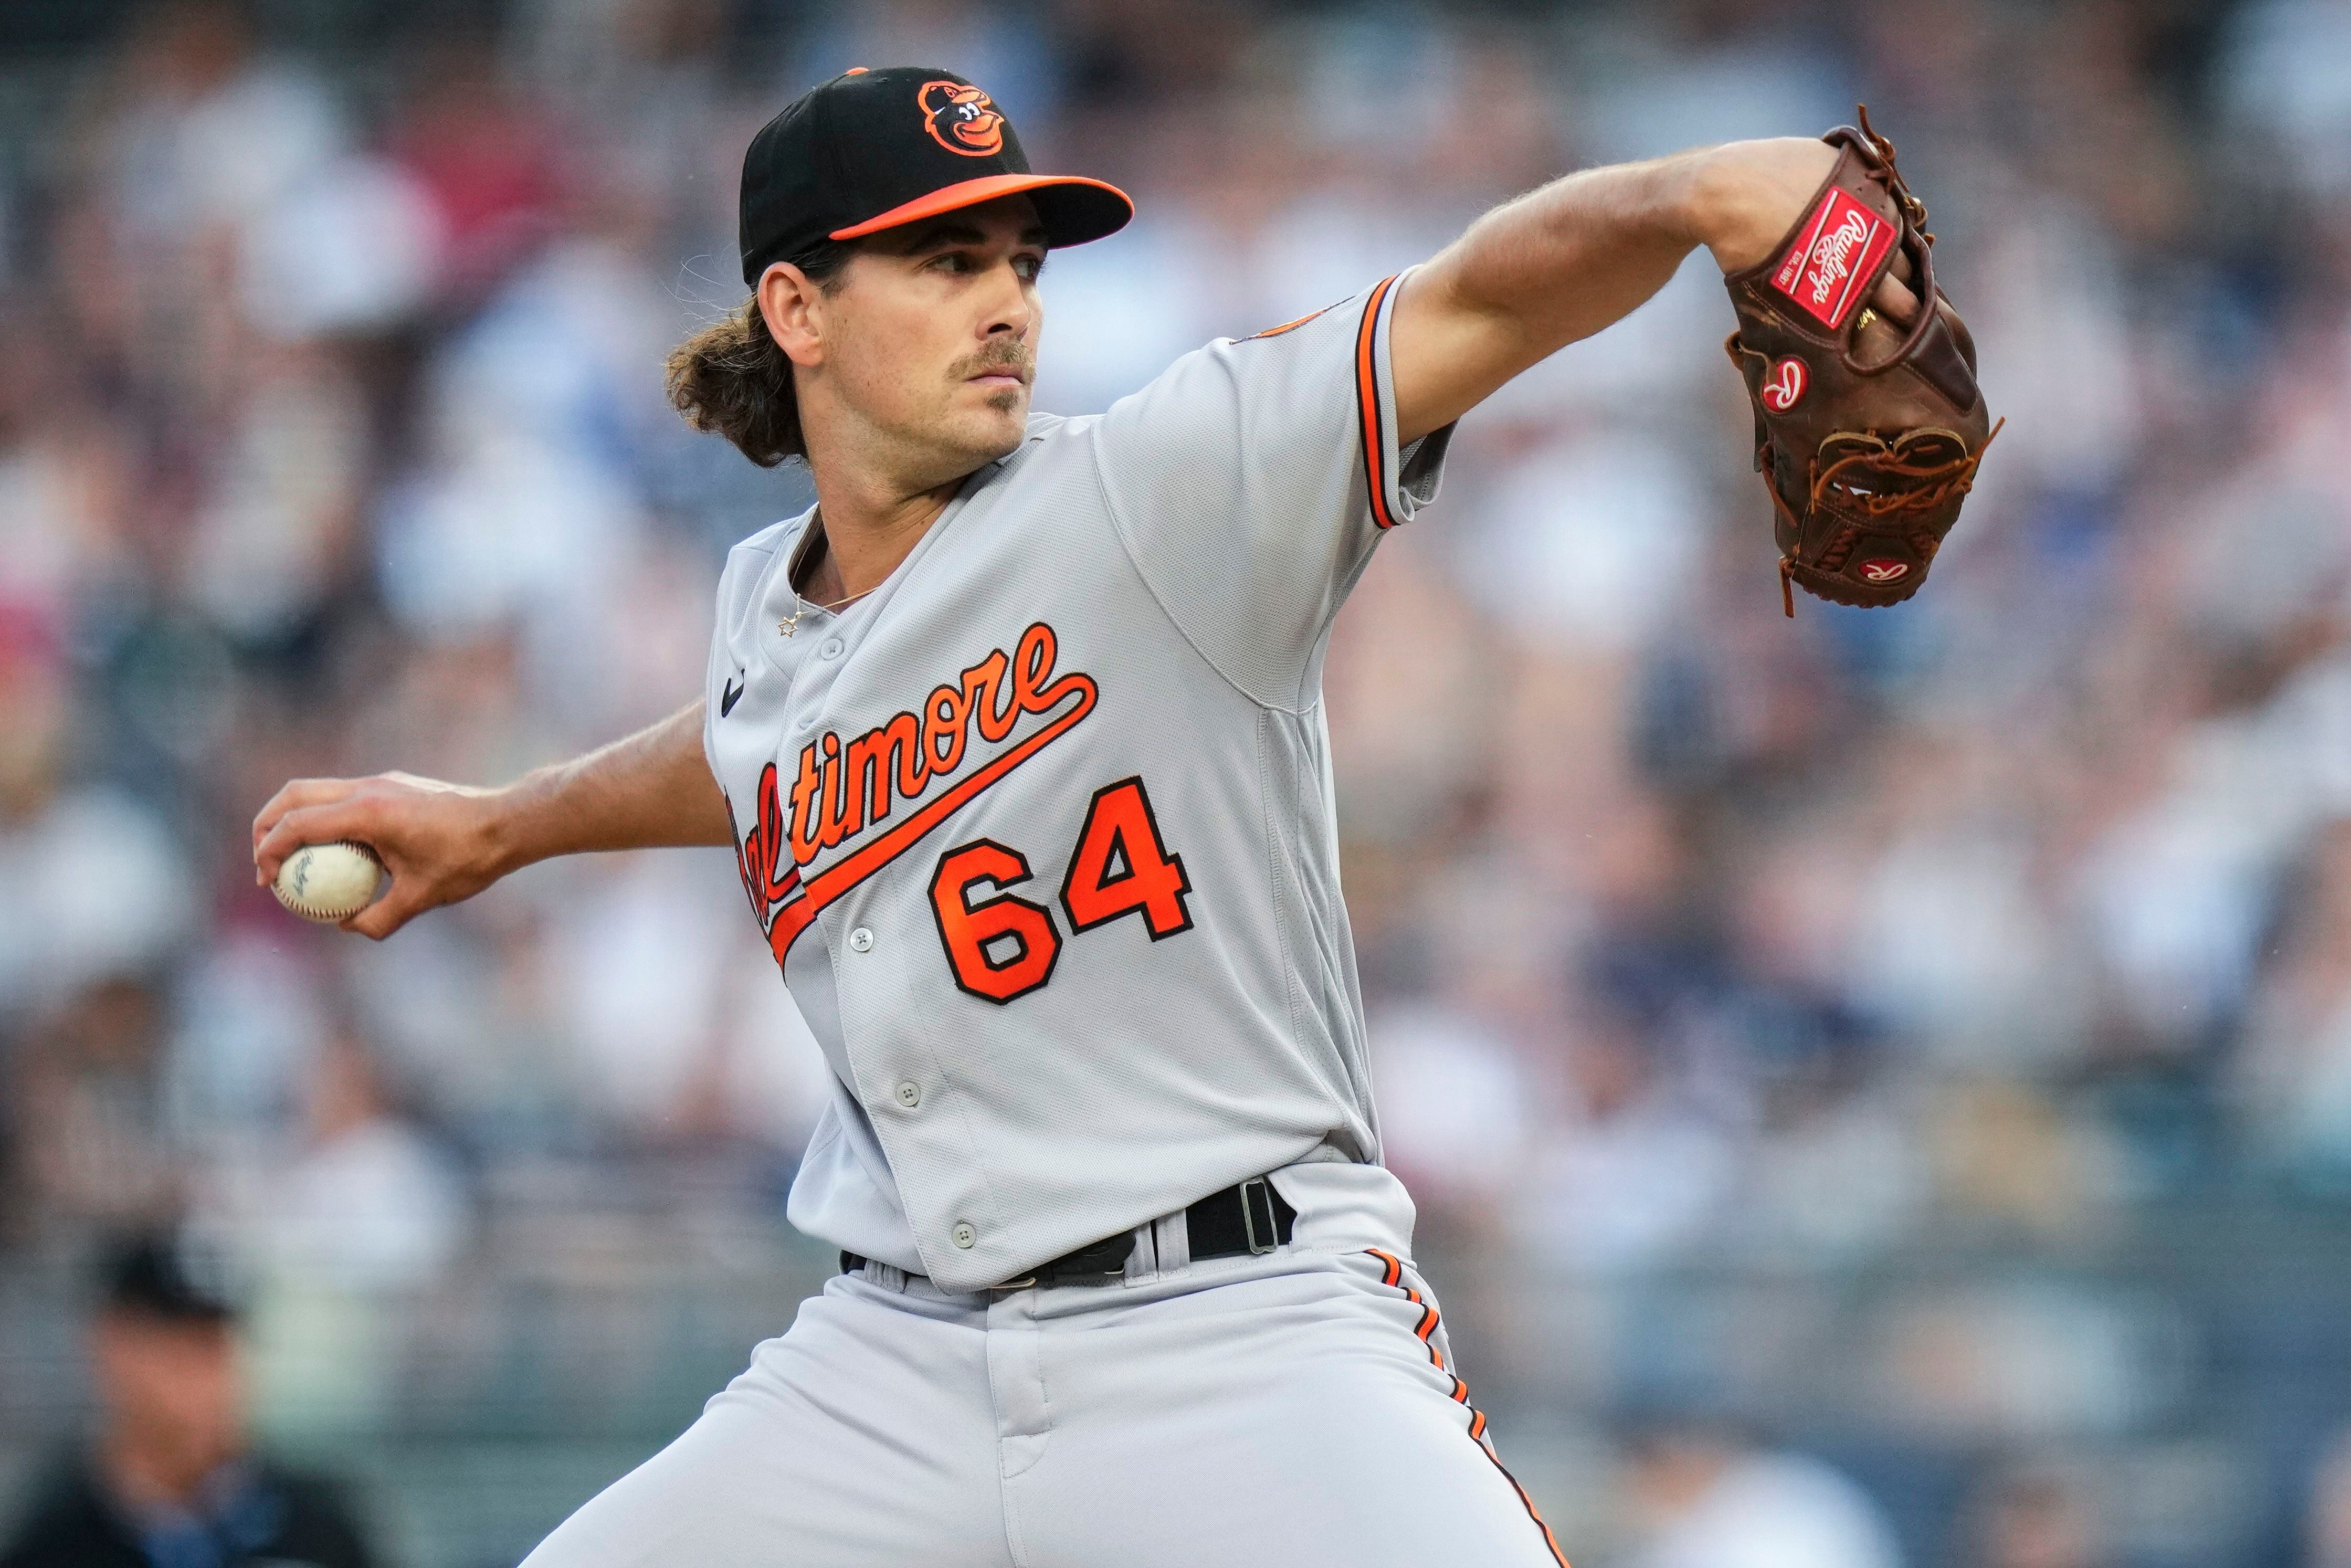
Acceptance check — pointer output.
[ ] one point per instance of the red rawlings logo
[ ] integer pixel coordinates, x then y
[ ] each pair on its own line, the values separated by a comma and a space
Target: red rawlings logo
1786, 385
1882, 571
1840, 246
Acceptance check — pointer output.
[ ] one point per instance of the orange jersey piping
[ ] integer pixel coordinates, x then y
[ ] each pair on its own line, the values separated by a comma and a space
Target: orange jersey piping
1367, 398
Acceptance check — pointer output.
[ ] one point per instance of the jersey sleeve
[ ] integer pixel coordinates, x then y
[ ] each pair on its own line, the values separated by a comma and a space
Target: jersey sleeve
1250, 481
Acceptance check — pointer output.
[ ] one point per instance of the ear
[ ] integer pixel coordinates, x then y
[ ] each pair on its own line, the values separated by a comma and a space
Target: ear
793, 308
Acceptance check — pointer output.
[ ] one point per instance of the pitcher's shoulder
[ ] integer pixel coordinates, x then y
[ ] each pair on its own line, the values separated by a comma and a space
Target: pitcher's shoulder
751, 561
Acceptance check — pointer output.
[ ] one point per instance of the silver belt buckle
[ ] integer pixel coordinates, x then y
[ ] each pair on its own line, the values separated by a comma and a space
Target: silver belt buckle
1014, 1284
1249, 1219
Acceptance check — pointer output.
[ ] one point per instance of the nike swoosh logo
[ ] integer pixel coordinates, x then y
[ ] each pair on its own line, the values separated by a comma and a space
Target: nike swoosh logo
728, 697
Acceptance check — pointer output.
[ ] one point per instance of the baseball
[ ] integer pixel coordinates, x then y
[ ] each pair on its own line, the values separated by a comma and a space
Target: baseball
327, 883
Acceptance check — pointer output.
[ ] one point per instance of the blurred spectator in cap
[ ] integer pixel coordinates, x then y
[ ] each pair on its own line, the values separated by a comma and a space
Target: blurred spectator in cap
169, 1480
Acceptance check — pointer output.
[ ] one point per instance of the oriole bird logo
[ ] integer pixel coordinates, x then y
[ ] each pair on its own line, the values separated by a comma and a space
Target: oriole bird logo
962, 118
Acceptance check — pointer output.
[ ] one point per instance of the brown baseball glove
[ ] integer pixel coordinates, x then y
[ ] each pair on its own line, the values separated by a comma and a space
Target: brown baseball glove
1867, 434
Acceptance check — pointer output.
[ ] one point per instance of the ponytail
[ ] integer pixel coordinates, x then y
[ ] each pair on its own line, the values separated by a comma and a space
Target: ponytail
732, 379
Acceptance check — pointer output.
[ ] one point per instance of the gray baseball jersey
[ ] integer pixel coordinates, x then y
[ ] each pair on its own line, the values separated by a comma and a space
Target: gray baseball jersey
1040, 831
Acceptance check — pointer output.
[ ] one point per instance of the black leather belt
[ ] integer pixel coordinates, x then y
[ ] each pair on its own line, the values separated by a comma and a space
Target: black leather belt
1251, 1218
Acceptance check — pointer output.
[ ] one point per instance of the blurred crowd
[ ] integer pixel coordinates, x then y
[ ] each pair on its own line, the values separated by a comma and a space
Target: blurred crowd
1747, 996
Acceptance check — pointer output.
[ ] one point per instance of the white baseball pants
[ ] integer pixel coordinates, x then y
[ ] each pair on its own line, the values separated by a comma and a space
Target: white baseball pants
1298, 1407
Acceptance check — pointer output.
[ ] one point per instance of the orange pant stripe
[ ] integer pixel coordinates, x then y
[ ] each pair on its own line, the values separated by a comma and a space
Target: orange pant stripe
1393, 1275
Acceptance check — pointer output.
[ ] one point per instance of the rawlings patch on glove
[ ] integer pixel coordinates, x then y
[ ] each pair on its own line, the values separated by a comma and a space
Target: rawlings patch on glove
1867, 434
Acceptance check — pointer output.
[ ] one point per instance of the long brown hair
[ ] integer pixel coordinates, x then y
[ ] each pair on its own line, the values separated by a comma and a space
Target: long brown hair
732, 379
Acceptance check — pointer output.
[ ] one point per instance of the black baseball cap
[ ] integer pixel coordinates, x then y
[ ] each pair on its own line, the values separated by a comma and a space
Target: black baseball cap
160, 1274
870, 149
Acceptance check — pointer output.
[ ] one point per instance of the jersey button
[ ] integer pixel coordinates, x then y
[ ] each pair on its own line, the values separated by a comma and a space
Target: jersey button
831, 647
909, 1093
963, 1235
807, 722
861, 940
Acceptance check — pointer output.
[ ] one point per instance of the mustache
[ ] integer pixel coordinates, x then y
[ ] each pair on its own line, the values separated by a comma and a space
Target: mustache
1009, 359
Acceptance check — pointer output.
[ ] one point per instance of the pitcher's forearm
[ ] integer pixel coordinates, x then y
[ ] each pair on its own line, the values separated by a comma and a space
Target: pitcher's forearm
650, 790
444, 842
1532, 276
1560, 263
1564, 261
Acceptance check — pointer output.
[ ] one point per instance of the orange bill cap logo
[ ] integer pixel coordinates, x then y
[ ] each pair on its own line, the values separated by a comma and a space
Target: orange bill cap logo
961, 119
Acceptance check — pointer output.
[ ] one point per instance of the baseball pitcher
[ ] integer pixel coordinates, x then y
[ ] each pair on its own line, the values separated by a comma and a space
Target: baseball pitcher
1018, 738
